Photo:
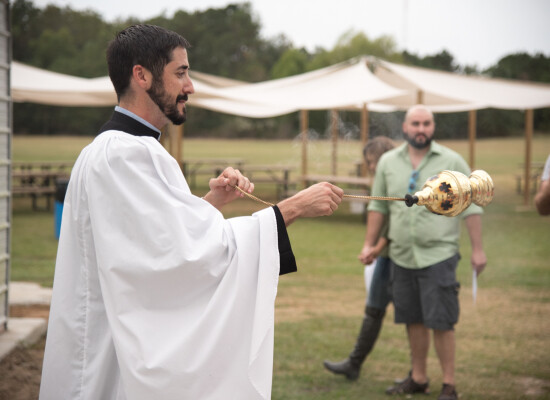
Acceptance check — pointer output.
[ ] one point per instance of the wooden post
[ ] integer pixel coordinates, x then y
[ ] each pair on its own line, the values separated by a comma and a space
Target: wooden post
304, 127
472, 122
178, 144
168, 134
419, 97
334, 135
364, 135
528, 140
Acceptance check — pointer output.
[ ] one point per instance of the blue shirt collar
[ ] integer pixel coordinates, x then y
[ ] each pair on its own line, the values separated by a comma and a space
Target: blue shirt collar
137, 118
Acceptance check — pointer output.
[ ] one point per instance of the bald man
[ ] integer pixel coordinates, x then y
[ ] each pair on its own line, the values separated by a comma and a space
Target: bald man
424, 249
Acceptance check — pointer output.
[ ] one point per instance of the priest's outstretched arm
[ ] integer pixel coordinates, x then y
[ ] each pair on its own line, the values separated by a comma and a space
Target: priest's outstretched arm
321, 199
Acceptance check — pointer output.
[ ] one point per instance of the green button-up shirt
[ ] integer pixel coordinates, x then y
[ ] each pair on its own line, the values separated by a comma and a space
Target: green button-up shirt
418, 238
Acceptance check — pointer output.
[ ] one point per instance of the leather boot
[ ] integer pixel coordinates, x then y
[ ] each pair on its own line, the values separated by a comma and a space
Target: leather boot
370, 328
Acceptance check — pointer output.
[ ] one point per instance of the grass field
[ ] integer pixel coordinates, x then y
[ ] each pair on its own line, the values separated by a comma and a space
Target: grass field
503, 341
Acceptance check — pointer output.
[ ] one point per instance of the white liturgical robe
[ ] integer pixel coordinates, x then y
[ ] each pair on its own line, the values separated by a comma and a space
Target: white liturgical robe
157, 296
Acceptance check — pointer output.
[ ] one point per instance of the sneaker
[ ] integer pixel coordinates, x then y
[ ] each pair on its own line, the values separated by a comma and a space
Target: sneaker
409, 386
448, 392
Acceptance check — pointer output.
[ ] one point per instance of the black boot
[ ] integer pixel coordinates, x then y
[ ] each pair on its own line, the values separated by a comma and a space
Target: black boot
370, 328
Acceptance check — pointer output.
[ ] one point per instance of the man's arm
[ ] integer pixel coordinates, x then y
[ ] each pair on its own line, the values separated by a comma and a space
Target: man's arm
375, 222
542, 198
478, 259
315, 201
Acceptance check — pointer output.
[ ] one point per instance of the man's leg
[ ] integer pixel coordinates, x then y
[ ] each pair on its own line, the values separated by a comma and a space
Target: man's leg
419, 342
444, 342
370, 328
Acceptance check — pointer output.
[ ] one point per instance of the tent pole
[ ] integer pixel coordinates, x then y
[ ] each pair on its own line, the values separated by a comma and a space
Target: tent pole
528, 139
304, 127
419, 97
334, 131
364, 135
179, 145
472, 122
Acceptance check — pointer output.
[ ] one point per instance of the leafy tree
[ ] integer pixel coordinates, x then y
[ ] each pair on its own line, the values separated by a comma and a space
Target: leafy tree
60, 40
353, 44
292, 62
443, 61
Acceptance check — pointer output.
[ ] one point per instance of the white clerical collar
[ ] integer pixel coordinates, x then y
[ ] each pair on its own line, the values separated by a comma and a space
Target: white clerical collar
137, 118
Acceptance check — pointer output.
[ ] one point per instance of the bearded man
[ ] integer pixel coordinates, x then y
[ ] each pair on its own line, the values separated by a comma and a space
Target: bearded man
424, 250
156, 295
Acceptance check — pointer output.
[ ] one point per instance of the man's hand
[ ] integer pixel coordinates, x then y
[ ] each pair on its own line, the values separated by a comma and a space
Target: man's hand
479, 261
368, 254
222, 189
315, 201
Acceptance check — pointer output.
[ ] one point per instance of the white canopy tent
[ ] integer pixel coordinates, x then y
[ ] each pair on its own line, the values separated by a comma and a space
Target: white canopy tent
338, 87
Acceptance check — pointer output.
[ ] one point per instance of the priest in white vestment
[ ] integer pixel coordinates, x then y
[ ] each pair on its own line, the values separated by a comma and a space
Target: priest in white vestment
156, 295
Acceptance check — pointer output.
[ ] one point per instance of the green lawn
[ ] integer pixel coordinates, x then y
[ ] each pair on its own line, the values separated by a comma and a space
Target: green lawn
503, 341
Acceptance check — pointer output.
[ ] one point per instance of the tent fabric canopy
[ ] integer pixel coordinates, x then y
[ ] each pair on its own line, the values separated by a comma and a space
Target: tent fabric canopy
349, 86
340, 86
451, 92
31, 84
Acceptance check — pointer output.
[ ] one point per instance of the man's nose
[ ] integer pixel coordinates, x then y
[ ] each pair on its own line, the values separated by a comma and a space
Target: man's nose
188, 87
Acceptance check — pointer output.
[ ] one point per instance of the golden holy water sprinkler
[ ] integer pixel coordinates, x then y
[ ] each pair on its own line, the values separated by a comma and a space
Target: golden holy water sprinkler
450, 192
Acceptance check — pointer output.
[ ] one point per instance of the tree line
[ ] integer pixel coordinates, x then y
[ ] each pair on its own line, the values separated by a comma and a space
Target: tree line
227, 42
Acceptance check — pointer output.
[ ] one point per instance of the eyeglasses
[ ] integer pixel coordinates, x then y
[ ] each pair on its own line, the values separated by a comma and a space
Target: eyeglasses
412, 181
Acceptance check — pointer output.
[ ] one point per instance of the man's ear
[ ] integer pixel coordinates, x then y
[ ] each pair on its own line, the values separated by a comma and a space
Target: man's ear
142, 76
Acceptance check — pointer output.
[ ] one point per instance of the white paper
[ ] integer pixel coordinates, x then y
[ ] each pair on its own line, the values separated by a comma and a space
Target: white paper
474, 285
369, 271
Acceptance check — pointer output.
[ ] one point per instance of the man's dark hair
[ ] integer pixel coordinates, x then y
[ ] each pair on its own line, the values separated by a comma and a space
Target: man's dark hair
147, 45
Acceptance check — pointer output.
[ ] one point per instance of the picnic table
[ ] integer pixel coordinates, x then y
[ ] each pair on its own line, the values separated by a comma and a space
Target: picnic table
361, 183
277, 174
38, 179
536, 172
210, 167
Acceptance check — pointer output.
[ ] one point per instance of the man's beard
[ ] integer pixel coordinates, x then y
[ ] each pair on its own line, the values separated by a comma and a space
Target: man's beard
163, 101
422, 145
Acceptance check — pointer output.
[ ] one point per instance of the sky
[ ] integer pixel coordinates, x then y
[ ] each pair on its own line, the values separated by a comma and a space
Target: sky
476, 32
